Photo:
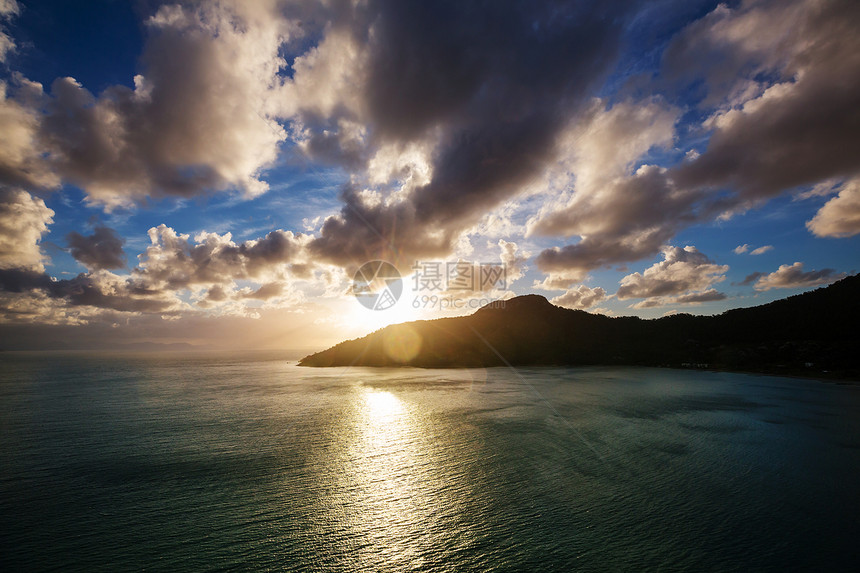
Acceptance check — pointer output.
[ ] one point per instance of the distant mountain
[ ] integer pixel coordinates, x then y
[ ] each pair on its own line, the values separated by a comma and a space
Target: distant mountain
158, 347
808, 333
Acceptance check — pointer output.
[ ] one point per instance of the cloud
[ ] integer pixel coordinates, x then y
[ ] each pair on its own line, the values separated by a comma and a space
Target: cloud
761, 250
793, 276
101, 250
840, 216
199, 119
560, 280
684, 276
174, 261
479, 102
680, 271
8, 9
823, 189
207, 266
100, 289
618, 215
513, 260
581, 297
23, 221
631, 219
366, 230
597, 149
741, 249
694, 298
787, 78
782, 115
709, 295
751, 278
265, 292
467, 279
23, 161
446, 120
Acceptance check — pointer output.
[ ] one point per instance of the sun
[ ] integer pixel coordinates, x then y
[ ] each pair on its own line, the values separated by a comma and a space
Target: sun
371, 320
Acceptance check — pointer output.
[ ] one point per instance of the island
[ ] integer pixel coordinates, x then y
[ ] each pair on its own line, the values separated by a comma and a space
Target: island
814, 334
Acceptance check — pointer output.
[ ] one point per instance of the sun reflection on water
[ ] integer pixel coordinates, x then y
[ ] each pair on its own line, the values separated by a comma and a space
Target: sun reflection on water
387, 481
382, 406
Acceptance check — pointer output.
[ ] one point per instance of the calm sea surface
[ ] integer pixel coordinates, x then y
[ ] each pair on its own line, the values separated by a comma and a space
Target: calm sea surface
220, 462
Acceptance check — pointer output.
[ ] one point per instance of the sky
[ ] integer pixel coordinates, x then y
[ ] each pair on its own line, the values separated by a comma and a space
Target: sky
215, 173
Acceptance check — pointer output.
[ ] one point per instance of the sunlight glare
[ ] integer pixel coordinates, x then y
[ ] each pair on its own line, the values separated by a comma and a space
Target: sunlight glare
401, 343
372, 320
382, 405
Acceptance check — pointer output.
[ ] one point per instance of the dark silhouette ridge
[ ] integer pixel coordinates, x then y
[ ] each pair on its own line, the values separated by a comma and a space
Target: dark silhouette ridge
810, 333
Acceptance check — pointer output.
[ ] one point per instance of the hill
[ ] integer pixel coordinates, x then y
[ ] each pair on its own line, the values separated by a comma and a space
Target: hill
809, 333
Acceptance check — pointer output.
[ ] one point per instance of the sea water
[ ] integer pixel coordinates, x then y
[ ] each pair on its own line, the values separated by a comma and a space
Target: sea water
219, 462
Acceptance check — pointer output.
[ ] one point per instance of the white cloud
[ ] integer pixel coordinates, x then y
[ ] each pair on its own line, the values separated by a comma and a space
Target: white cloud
8, 9
513, 260
562, 280
23, 221
199, 119
745, 248
22, 155
175, 261
581, 297
176, 274
840, 216
694, 298
793, 276
684, 276
823, 189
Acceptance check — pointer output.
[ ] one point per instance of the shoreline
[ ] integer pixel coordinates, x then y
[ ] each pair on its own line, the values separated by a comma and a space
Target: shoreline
837, 378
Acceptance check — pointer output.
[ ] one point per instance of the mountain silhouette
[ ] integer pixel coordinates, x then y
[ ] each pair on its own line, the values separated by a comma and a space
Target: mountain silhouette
810, 333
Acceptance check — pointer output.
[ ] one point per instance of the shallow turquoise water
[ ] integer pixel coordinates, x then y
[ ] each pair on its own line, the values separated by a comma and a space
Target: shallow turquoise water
225, 462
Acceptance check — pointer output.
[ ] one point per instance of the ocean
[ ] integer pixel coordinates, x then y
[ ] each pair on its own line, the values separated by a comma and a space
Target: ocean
224, 462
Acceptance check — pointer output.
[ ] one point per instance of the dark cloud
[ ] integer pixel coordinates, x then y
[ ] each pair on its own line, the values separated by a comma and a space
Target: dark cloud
102, 291
799, 129
486, 92
363, 232
784, 106
475, 67
750, 278
265, 292
631, 219
101, 250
